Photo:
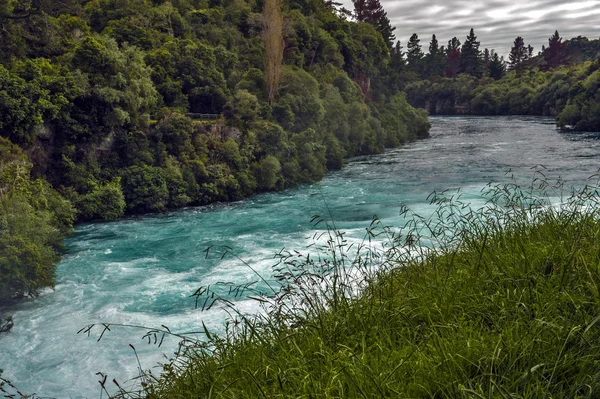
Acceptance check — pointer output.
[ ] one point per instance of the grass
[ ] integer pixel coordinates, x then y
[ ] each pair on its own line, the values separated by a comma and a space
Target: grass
503, 302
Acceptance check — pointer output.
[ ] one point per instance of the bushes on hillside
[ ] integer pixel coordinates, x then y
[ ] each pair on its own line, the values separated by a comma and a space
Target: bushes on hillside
34, 220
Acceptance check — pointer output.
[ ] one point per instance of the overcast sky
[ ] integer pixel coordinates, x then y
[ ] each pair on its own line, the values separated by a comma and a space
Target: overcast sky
496, 22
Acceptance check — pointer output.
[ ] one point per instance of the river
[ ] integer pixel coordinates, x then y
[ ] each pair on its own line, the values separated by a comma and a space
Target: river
143, 270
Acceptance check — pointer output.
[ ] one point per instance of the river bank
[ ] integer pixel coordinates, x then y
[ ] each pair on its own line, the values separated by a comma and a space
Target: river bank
506, 305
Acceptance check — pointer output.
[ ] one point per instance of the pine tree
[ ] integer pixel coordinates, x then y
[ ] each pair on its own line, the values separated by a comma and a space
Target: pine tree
518, 54
414, 54
497, 66
386, 29
470, 61
434, 58
369, 11
486, 61
397, 61
452, 57
554, 54
372, 12
338, 8
396, 68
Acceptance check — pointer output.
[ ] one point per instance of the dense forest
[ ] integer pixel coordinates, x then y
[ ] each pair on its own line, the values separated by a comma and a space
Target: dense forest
115, 107
561, 80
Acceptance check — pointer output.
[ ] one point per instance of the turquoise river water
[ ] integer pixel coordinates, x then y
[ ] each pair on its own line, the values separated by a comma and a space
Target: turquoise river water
143, 270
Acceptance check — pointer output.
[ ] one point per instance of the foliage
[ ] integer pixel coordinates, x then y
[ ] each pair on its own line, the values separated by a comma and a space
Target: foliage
554, 54
33, 92
497, 67
570, 94
453, 56
414, 54
470, 57
96, 95
267, 172
372, 12
105, 202
435, 58
34, 220
518, 54
145, 188
241, 107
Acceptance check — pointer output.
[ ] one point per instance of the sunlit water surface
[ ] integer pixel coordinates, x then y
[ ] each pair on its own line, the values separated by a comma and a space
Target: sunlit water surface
142, 271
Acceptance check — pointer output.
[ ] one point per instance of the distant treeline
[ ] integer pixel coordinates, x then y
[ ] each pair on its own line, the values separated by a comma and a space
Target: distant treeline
569, 93
562, 79
468, 58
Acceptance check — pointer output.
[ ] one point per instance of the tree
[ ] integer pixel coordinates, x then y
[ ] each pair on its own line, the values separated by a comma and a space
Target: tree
386, 29
104, 202
470, 61
12, 9
414, 54
435, 58
31, 93
554, 54
397, 60
486, 60
34, 219
372, 12
189, 74
497, 66
529, 51
452, 57
267, 172
242, 107
145, 188
369, 11
396, 69
274, 46
518, 54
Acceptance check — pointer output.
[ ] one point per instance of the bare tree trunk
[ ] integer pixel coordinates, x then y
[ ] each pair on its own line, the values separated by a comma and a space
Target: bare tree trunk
273, 37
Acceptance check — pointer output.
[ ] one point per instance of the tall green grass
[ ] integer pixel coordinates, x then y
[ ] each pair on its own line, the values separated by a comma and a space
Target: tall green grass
497, 302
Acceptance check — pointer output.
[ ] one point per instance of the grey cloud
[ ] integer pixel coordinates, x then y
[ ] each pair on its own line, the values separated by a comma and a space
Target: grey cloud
496, 22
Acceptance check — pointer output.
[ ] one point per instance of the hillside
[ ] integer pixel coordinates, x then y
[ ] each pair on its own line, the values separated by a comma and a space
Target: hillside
132, 106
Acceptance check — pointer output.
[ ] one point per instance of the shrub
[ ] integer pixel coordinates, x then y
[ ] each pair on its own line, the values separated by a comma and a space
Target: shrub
104, 202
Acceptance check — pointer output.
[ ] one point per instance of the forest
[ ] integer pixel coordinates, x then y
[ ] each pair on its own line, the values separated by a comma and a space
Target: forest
118, 107
561, 80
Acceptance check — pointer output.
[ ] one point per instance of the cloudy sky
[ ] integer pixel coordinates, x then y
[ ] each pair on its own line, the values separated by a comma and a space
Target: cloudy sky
496, 22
